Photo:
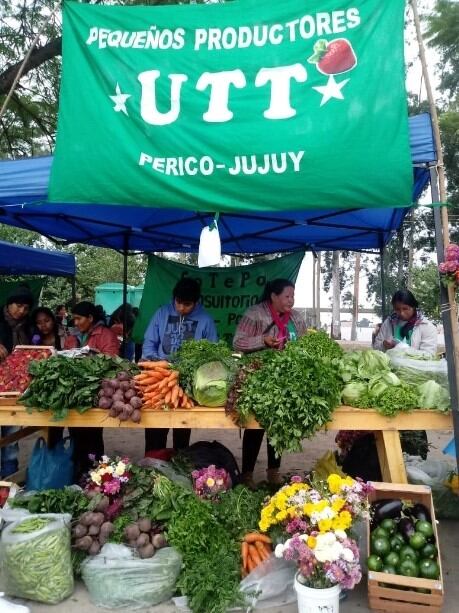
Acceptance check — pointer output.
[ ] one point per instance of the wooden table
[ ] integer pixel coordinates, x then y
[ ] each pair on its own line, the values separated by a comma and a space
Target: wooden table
344, 418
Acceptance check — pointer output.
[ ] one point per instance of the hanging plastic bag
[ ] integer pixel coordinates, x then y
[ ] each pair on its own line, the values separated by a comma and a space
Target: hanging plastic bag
50, 469
210, 248
270, 584
36, 558
115, 578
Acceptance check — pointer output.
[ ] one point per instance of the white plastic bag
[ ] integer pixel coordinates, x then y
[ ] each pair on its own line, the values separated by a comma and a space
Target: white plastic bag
115, 578
416, 367
210, 248
270, 584
37, 562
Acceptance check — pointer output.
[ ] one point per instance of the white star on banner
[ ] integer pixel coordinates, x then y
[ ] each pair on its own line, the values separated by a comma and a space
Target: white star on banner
120, 100
331, 90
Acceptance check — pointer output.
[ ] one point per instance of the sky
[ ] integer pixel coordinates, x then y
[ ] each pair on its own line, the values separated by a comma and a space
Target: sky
415, 84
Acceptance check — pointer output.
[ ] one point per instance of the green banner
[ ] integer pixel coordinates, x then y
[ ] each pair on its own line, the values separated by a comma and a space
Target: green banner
248, 105
226, 292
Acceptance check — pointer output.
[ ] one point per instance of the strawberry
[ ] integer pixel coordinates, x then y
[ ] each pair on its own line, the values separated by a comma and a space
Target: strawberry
333, 57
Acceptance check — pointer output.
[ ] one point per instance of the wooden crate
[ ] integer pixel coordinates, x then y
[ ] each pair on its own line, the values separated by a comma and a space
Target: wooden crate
396, 593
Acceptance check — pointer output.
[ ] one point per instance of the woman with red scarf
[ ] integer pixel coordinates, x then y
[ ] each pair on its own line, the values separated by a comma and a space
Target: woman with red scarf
267, 325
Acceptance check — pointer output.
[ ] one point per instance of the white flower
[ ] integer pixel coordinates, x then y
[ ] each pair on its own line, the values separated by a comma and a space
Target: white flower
96, 478
347, 555
327, 549
120, 469
341, 534
279, 551
105, 459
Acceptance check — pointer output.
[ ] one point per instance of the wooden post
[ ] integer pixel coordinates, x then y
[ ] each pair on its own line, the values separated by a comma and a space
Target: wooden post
336, 304
318, 291
355, 298
449, 308
314, 307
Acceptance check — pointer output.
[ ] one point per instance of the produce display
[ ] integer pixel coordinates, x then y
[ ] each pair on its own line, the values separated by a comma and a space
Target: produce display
158, 385
121, 397
62, 383
36, 559
255, 549
370, 383
292, 393
14, 370
402, 540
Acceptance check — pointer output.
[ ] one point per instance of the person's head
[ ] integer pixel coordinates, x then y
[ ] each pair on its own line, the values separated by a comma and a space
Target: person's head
44, 320
186, 295
404, 304
118, 315
280, 293
86, 315
19, 302
61, 311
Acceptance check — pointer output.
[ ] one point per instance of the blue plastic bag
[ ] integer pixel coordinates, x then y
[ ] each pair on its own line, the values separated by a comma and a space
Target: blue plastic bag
50, 468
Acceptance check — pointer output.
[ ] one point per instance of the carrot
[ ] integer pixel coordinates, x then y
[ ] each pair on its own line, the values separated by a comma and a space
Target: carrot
157, 364
250, 564
174, 394
252, 537
254, 554
167, 398
244, 553
262, 551
181, 392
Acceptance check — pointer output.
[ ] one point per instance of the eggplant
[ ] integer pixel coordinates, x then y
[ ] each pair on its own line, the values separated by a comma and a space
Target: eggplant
419, 512
387, 508
406, 528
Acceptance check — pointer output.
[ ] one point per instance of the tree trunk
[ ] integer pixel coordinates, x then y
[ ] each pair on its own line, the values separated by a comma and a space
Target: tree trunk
355, 299
336, 316
410, 252
318, 292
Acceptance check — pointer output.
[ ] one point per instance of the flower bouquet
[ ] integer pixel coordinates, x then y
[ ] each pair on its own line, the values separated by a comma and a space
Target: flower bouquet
210, 482
108, 475
449, 269
315, 519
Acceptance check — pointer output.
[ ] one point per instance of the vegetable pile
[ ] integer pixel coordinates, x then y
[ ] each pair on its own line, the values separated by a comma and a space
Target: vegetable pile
120, 396
291, 393
14, 370
370, 383
36, 559
255, 549
159, 387
61, 383
402, 541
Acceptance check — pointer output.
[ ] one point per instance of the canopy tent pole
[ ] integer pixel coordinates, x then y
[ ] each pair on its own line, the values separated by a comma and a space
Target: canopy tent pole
448, 299
382, 279
125, 283
318, 262
445, 313
74, 298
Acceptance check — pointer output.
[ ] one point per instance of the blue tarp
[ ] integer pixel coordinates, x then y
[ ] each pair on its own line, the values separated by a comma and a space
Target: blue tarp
20, 260
23, 203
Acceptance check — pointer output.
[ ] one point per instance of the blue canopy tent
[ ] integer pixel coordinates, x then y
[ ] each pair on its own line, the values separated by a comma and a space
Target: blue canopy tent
23, 203
18, 260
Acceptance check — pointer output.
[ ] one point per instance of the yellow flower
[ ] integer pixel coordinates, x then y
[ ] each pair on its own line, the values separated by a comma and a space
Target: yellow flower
325, 525
334, 483
338, 504
349, 481
311, 542
264, 525
308, 509
281, 515
120, 469
346, 519
291, 512
210, 482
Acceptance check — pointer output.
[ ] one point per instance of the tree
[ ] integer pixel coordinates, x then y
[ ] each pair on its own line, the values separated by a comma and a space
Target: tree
443, 33
426, 288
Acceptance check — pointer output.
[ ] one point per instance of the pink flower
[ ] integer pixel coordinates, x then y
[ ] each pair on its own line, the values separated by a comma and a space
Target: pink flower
296, 479
451, 266
112, 487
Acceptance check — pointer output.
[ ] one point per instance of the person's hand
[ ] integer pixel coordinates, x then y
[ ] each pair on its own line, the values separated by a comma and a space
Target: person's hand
3, 352
272, 342
389, 344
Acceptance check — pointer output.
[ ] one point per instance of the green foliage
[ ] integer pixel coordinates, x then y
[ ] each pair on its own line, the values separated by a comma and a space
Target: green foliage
426, 287
443, 31
66, 500
291, 393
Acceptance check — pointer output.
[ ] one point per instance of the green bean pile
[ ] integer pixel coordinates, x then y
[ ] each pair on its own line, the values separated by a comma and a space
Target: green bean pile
38, 567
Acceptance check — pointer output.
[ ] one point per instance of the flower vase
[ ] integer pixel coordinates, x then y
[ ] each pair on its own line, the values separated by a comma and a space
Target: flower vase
316, 600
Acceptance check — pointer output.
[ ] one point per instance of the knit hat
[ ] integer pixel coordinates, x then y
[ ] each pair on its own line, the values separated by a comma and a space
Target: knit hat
20, 295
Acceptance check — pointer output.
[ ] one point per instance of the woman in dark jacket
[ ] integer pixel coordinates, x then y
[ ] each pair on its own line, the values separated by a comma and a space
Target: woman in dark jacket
14, 330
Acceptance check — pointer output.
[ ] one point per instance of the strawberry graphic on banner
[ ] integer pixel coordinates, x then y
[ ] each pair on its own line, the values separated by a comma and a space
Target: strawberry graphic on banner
333, 57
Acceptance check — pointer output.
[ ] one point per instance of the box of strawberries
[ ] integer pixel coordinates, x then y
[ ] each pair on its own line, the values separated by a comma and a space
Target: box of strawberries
14, 370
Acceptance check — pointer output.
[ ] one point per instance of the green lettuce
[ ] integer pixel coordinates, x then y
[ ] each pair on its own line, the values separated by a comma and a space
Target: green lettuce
353, 392
380, 383
372, 363
433, 396
211, 384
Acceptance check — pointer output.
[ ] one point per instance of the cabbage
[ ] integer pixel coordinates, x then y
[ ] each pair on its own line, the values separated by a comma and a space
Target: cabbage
380, 383
349, 364
372, 363
433, 396
211, 384
352, 392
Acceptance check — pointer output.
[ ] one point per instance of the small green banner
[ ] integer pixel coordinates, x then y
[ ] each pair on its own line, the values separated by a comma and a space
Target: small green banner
226, 292
250, 105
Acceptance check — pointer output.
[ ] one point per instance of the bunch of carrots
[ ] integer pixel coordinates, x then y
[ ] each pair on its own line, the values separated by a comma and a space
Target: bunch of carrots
255, 548
159, 385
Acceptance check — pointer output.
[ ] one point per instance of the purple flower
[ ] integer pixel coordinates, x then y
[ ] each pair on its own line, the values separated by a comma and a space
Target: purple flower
112, 487
296, 479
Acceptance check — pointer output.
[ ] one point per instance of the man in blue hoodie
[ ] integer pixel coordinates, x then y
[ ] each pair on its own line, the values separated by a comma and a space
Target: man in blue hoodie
181, 320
